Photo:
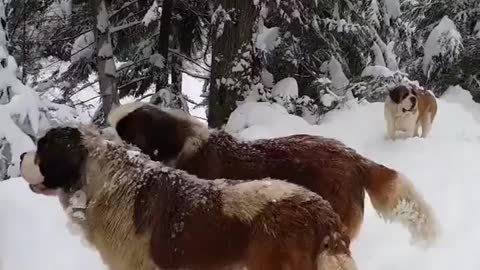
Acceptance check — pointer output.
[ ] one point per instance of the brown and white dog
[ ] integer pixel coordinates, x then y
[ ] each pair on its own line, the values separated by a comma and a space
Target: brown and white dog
326, 166
407, 109
142, 215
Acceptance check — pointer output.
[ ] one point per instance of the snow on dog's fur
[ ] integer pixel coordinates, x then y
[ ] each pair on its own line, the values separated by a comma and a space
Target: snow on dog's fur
326, 166
142, 215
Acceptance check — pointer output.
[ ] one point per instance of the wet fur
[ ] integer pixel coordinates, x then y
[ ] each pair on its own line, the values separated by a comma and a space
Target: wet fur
141, 214
326, 166
403, 115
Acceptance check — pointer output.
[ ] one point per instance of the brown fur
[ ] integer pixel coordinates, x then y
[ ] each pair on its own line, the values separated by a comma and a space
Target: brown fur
141, 215
427, 110
409, 108
325, 166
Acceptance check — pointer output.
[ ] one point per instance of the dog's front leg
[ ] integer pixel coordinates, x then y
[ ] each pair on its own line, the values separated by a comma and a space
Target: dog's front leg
417, 129
412, 130
390, 130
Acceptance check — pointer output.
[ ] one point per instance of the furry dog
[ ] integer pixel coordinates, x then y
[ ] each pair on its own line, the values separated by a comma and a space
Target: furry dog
326, 166
142, 215
407, 108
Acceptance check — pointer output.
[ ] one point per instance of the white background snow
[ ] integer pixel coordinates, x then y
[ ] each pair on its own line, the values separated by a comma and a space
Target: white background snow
444, 167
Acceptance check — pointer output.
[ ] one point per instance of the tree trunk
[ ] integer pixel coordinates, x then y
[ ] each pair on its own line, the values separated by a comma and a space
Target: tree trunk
233, 69
163, 43
105, 63
176, 67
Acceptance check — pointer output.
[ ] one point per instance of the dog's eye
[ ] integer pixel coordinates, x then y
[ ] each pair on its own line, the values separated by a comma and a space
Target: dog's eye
405, 96
414, 93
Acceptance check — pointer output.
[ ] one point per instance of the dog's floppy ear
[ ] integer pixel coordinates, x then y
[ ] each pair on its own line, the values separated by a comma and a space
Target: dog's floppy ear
397, 93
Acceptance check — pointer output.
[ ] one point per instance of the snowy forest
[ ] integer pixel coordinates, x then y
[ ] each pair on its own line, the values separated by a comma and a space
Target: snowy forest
72, 60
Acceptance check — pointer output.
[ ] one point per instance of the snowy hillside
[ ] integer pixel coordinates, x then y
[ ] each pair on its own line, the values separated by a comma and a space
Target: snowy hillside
444, 167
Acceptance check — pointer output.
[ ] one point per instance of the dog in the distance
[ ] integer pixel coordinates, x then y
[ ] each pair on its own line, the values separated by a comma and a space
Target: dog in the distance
326, 166
407, 109
142, 215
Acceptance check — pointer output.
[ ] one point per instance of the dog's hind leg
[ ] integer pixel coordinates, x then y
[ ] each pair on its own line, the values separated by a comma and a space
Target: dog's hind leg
426, 125
417, 129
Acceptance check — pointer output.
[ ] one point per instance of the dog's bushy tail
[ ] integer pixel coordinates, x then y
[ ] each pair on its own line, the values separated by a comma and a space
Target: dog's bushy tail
395, 199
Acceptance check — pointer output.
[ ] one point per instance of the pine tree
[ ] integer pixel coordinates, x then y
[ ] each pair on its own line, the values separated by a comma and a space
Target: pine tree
23, 113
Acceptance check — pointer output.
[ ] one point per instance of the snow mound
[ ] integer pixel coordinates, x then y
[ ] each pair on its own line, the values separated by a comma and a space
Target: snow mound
457, 94
442, 38
255, 120
286, 88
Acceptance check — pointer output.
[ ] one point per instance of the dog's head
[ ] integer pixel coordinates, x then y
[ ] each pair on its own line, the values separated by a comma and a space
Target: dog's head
56, 164
406, 98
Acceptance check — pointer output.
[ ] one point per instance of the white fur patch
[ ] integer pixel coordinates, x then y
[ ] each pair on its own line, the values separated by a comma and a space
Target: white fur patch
413, 212
30, 171
121, 111
246, 200
339, 262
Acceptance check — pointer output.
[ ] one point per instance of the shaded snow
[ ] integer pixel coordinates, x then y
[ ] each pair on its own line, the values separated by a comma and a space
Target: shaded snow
102, 17
154, 13
267, 38
377, 52
286, 88
267, 78
393, 8
83, 47
158, 60
390, 57
335, 70
377, 71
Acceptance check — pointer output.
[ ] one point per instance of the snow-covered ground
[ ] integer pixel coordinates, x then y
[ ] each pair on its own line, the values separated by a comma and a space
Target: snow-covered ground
444, 167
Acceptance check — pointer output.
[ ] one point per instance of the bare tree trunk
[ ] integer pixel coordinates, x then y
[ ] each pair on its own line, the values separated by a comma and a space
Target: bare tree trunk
233, 68
105, 63
176, 66
163, 42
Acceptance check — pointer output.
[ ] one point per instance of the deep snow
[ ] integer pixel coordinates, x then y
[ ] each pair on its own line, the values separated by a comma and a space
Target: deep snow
444, 167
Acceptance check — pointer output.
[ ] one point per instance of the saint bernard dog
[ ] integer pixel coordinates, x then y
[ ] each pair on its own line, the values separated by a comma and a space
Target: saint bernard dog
326, 166
407, 109
141, 215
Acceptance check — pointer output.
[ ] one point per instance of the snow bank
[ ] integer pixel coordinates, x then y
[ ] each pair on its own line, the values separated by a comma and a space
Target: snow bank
34, 234
456, 94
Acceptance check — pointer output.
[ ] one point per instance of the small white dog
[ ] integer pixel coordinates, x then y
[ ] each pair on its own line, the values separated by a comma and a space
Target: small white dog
408, 108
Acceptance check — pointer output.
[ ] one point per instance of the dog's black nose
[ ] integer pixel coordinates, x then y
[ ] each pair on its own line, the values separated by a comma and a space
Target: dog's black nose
22, 156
